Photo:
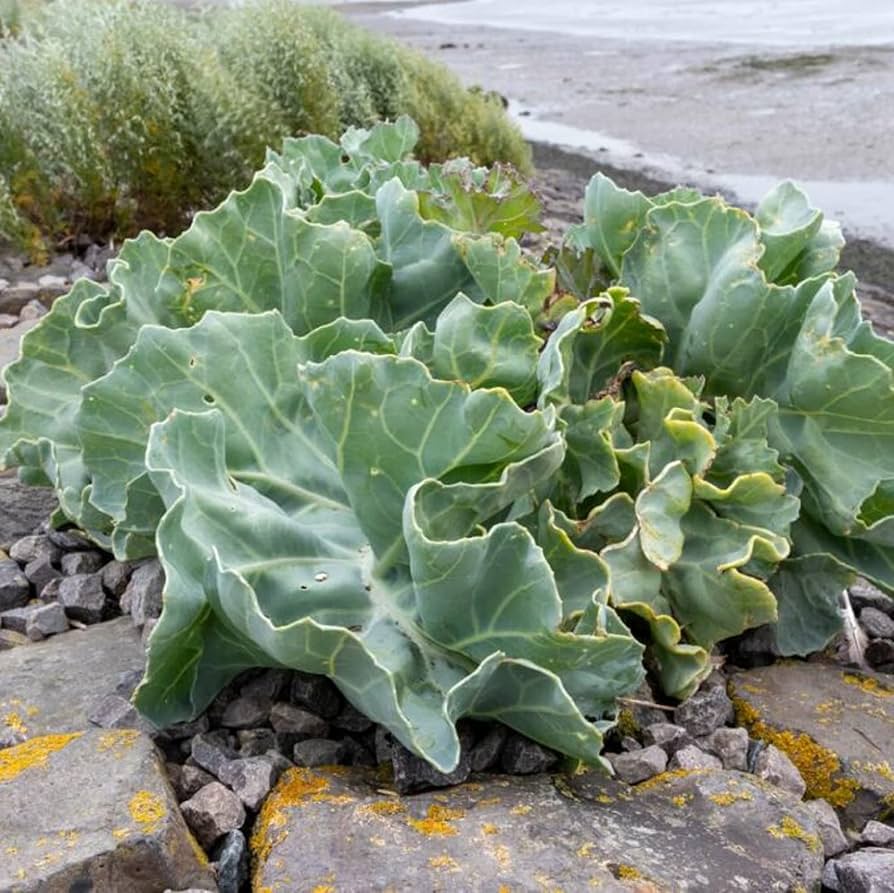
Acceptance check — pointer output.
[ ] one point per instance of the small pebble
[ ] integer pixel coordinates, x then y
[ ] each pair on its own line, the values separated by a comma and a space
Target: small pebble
639, 765
213, 811
774, 766
690, 757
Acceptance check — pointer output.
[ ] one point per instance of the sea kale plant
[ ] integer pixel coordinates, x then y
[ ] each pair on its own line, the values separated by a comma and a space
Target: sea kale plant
369, 436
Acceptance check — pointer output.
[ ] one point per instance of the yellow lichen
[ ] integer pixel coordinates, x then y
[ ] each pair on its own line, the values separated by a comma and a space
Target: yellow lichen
147, 810
665, 778
820, 768
627, 873
198, 852
681, 799
323, 888
604, 798
869, 685
727, 798
501, 855
14, 721
490, 801
32, 754
384, 807
883, 769
437, 821
788, 827
119, 741
520, 810
627, 724
121, 833
504, 889
584, 851
489, 828
444, 862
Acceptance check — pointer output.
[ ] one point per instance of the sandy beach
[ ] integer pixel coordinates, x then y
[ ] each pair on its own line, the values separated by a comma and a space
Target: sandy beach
722, 115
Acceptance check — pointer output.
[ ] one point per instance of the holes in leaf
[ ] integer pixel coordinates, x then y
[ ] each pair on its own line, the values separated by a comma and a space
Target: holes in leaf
209, 399
193, 362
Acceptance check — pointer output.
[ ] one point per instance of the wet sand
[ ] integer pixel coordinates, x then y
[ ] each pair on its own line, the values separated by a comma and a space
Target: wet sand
727, 118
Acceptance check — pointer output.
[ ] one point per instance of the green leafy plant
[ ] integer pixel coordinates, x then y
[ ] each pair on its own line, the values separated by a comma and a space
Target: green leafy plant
369, 437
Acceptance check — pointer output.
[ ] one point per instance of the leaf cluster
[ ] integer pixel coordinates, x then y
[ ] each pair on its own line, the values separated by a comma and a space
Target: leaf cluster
369, 437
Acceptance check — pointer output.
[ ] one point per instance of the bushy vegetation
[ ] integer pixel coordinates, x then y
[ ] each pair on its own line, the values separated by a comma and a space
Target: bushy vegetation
132, 114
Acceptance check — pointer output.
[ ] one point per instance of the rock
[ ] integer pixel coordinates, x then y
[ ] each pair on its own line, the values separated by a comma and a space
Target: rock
708, 709
880, 655
22, 508
317, 694
773, 766
835, 726
50, 592
267, 686
83, 597
17, 618
41, 573
11, 639
33, 310
212, 750
254, 742
639, 765
870, 870
144, 592
246, 712
635, 716
828, 826
414, 774
82, 563
115, 712
522, 756
70, 540
53, 285
877, 624
319, 752
189, 729
250, 779
190, 780
690, 757
667, 736
730, 745
51, 686
350, 719
356, 753
46, 620
116, 575
212, 812
293, 721
30, 548
93, 811
15, 590
127, 683
865, 595
877, 834
487, 751
7, 320
14, 297
231, 856
694, 832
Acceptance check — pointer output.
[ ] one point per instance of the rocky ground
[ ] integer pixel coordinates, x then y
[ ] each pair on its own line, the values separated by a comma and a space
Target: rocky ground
774, 776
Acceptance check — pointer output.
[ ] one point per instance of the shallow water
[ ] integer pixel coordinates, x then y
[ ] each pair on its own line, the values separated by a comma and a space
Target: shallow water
793, 23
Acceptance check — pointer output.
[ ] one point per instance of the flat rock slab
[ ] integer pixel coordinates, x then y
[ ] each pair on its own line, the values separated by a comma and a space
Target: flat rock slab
837, 726
93, 811
339, 828
49, 687
22, 508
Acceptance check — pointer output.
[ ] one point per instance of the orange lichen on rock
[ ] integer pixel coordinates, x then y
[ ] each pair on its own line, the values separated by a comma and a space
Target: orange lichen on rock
665, 778
869, 685
727, 798
437, 821
788, 827
820, 768
148, 810
384, 807
32, 754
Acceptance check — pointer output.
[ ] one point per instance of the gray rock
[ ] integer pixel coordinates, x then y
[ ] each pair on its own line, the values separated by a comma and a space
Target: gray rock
869, 870
529, 833
877, 624
52, 685
231, 856
877, 834
669, 737
250, 779
522, 756
116, 575
708, 709
14, 297
93, 811
246, 712
730, 745
639, 765
212, 812
82, 563
11, 639
317, 694
17, 618
144, 592
356, 753
83, 597
50, 592
486, 752
7, 320
691, 757
268, 685
628, 744
189, 781
414, 774
254, 742
30, 548
319, 752
828, 826
33, 310
54, 285
383, 744
114, 712
825, 716
212, 750
350, 719
22, 508
127, 683
291, 720
639, 715
70, 540
40, 572
188, 729
880, 655
46, 620
15, 590
865, 595
773, 766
